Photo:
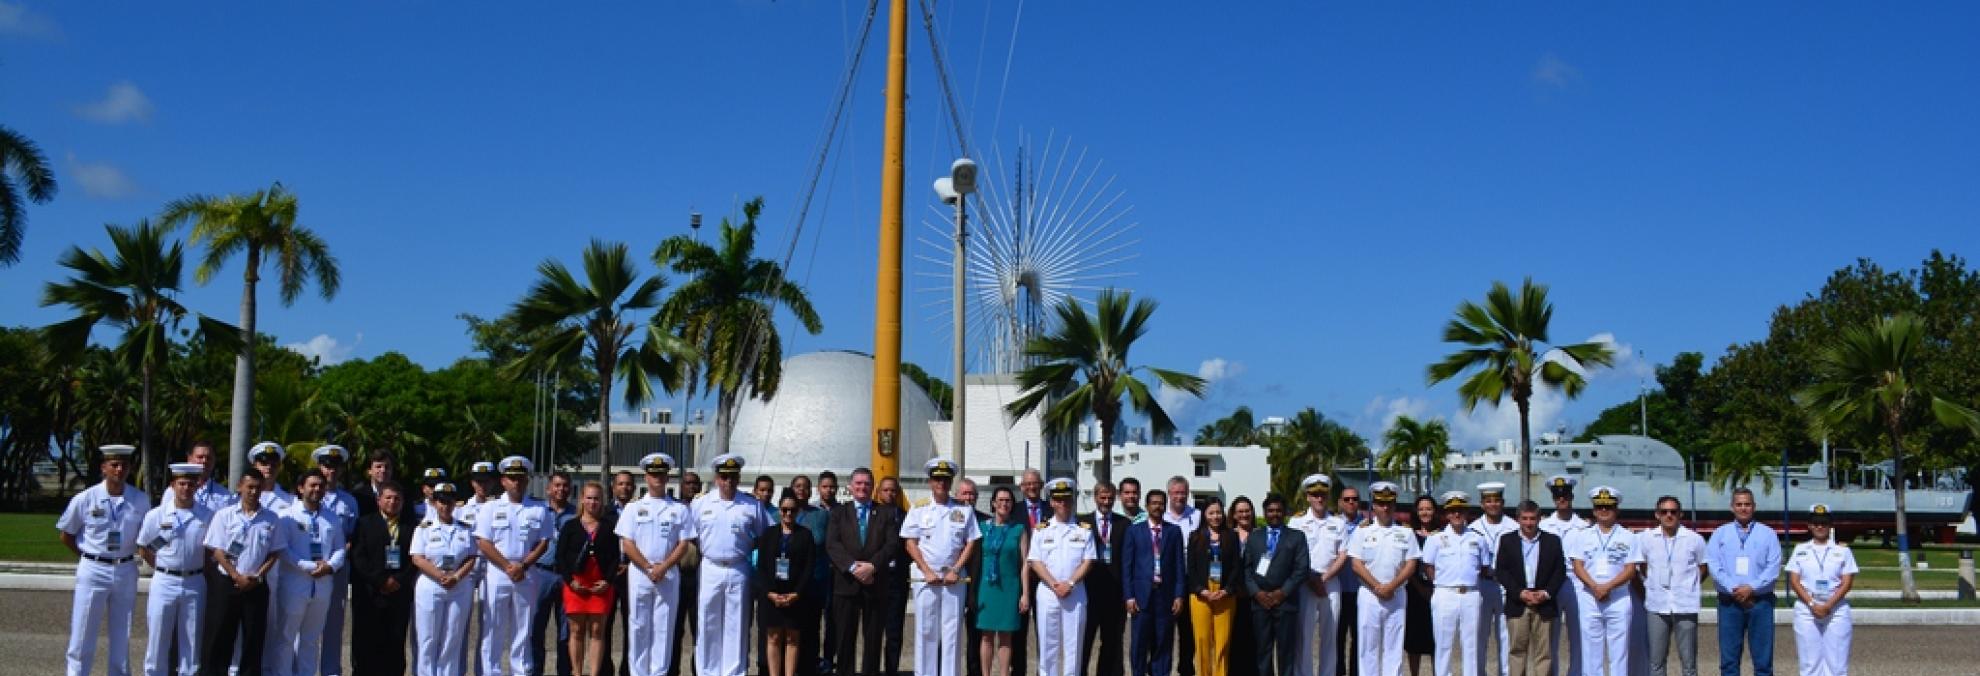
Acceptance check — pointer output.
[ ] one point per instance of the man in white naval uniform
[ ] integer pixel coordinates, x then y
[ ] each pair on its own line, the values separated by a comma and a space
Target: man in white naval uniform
1326, 553
1385, 555
483, 489
1563, 523
1456, 557
654, 532
939, 536
1061, 554
1491, 597
267, 459
513, 533
101, 527
173, 542
726, 523
330, 462
1604, 557
310, 561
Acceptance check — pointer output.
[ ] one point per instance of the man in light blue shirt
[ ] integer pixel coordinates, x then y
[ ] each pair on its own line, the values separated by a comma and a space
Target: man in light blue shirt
1744, 558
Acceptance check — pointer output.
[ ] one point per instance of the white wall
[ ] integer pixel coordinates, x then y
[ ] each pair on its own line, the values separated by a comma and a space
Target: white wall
1233, 471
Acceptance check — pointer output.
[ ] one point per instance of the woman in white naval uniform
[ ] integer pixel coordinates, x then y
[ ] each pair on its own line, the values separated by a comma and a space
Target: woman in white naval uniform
1821, 572
173, 541
101, 526
1455, 556
444, 551
1604, 558
310, 561
1061, 554
654, 533
1384, 554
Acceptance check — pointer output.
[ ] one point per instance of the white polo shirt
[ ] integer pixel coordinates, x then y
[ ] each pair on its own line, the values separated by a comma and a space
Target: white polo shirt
1670, 570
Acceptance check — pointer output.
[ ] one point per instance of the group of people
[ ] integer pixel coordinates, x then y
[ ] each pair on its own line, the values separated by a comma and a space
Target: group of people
259, 580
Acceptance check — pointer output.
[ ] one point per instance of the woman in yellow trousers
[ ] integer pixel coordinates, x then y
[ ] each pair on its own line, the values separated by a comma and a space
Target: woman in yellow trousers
1215, 568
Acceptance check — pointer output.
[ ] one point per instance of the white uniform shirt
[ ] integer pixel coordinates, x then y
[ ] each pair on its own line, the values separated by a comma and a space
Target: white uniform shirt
1565, 530
176, 537
105, 525
213, 496
1456, 555
514, 528
274, 499
1324, 539
344, 506
1062, 547
312, 537
726, 530
655, 526
1670, 570
941, 531
444, 544
1384, 549
1821, 568
248, 540
1489, 535
1603, 555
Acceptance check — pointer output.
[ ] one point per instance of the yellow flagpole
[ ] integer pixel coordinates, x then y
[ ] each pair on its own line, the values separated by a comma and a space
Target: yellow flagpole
887, 296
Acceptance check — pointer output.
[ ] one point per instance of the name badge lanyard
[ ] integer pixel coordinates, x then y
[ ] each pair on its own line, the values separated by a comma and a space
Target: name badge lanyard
783, 559
1216, 563
1158, 554
994, 551
1670, 555
1822, 581
1602, 544
115, 538
392, 545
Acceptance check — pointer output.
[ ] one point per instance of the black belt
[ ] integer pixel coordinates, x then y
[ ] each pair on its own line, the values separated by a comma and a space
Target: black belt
180, 573
108, 560
547, 567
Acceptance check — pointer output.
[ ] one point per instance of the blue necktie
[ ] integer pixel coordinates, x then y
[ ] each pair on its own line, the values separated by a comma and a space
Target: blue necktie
1271, 541
862, 522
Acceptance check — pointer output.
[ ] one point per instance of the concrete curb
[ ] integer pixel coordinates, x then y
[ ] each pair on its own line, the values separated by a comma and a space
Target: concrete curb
1895, 617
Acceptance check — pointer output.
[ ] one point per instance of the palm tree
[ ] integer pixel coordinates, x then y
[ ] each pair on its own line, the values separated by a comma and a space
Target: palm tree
21, 166
1867, 384
1737, 463
1310, 443
1082, 369
257, 224
596, 316
1421, 444
136, 291
469, 442
1237, 429
725, 311
1507, 339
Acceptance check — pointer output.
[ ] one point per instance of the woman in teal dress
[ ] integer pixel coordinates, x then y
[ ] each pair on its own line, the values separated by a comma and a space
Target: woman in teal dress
1005, 544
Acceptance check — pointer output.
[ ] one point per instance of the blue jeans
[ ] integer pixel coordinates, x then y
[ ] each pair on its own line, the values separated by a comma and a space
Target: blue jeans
550, 606
1741, 627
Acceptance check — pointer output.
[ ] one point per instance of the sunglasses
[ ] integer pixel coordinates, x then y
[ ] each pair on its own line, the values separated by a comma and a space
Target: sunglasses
787, 510
1661, 512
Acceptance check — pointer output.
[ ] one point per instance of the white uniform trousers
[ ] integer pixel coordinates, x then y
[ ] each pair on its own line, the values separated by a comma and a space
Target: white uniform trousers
103, 592
1605, 632
938, 628
331, 651
1822, 645
305, 604
440, 616
1380, 626
507, 608
478, 609
1317, 621
722, 649
1567, 628
172, 612
650, 623
1492, 622
1454, 621
1060, 621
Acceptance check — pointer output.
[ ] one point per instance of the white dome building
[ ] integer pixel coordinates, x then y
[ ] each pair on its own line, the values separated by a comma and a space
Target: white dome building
822, 418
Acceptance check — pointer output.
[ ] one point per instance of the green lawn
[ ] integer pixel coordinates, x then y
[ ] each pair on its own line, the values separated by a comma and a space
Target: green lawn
31, 537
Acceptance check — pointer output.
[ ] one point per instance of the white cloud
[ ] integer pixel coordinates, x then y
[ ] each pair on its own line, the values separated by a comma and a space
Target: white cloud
122, 102
19, 21
1551, 71
101, 180
1486, 425
325, 349
1629, 362
1217, 370
1381, 412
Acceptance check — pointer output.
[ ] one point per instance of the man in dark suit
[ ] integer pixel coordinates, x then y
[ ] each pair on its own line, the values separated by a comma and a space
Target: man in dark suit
1106, 617
382, 577
378, 472
972, 637
1275, 565
1531, 570
1152, 582
862, 537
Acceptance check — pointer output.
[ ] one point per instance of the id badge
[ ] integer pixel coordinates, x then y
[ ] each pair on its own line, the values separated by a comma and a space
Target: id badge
1106, 555
315, 551
392, 556
115, 540
447, 563
1264, 566
1216, 570
736, 528
235, 548
1742, 566
1604, 569
1158, 566
783, 569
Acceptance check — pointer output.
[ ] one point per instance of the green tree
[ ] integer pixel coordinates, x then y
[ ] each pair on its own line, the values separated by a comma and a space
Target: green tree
937, 389
726, 312
1082, 369
1310, 443
1737, 464
1869, 381
256, 225
1415, 446
597, 317
1506, 353
1240, 428
22, 169
135, 291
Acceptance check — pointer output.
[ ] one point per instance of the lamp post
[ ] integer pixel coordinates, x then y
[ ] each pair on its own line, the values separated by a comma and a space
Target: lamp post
954, 190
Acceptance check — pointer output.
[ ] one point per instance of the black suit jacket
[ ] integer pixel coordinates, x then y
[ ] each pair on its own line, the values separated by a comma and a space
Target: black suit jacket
604, 546
1105, 578
1288, 569
368, 571
844, 547
1228, 550
1510, 571
367, 499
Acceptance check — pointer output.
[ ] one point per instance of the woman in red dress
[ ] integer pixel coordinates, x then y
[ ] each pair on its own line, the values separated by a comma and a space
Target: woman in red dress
586, 549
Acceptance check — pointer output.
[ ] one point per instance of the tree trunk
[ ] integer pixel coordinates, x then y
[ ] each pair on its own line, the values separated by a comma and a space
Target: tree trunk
725, 421
1103, 470
1525, 451
153, 462
605, 425
237, 429
1905, 578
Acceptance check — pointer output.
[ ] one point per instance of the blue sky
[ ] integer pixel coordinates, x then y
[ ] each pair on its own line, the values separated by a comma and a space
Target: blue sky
1317, 184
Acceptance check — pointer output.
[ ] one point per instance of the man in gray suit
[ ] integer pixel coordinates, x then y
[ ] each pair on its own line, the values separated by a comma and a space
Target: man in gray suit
1275, 566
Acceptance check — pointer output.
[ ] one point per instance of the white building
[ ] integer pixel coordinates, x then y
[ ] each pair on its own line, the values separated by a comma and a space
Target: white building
1218, 472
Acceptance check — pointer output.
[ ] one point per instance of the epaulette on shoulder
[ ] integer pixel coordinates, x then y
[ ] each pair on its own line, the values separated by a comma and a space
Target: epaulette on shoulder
924, 502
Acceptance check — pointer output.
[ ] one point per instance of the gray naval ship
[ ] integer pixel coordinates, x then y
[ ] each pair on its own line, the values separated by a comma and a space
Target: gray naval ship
1643, 468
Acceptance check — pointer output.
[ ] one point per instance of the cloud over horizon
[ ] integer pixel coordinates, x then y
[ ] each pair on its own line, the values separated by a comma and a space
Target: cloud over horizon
325, 349
101, 180
123, 102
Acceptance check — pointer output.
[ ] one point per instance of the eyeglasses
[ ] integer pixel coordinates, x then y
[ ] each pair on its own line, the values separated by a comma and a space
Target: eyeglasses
1661, 512
787, 510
